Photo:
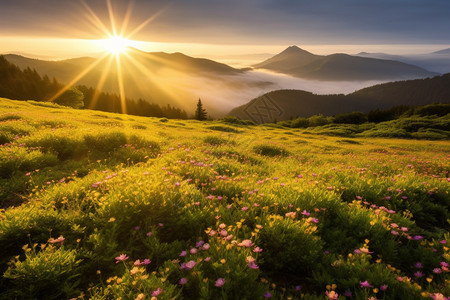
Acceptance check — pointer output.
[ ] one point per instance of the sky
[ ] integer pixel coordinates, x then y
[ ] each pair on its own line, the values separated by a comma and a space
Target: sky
214, 28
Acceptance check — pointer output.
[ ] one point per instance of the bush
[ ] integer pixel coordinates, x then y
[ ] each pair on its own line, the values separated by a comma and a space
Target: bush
214, 140
48, 274
223, 128
270, 150
71, 97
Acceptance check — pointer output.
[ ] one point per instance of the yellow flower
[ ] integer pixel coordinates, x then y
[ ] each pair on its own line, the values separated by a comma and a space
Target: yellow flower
140, 297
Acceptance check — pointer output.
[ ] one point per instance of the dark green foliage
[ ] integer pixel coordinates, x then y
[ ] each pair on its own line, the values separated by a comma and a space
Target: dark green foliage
200, 112
234, 120
350, 118
223, 128
72, 97
214, 140
270, 150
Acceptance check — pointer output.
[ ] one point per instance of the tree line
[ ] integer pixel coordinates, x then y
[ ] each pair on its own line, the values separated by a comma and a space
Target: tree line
27, 84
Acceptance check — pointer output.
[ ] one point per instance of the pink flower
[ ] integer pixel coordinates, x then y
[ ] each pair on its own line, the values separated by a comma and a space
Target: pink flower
245, 208
305, 213
383, 287
220, 282
314, 220
252, 265
418, 237
177, 184
332, 295
365, 284
348, 293
193, 251
443, 242
418, 265
208, 259
121, 257
190, 264
212, 233
437, 271
438, 296
267, 295
404, 229
419, 274
205, 247
444, 264
149, 233
257, 250
157, 292
183, 281
223, 232
61, 240
183, 253
246, 243
393, 232
146, 262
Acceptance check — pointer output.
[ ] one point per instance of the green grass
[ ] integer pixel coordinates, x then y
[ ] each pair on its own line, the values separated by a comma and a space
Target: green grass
79, 188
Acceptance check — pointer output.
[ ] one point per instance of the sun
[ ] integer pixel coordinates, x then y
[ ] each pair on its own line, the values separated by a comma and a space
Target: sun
116, 44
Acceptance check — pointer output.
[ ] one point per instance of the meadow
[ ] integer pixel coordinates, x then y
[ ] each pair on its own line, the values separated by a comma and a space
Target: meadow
97, 205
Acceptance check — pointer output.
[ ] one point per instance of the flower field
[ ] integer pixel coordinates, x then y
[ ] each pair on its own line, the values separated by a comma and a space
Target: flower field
106, 206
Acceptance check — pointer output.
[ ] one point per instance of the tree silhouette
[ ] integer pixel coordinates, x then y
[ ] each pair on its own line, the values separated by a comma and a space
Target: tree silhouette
200, 112
72, 97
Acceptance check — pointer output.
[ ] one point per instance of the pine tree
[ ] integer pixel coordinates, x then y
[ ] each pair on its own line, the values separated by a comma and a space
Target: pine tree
200, 112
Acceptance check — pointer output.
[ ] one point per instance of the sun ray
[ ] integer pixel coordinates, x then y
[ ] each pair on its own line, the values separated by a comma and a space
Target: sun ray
126, 19
111, 18
145, 23
121, 87
95, 20
150, 76
77, 78
100, 84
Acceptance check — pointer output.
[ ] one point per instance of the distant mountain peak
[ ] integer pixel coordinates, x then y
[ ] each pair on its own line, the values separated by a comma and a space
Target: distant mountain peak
443, 51
294, 50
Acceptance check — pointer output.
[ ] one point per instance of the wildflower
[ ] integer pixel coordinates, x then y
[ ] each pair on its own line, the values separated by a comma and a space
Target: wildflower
437, 296
437, 271
61, 240
183, 281
212, 233
246, 243
205, 247
418, 237
404, 229
223, 232
418, 265
298, 288
137, 262
419, 274
365, 284
444, 264
348, 293
314, 220
357, 251
146, 262
365, 250
141, 296
121, 257
253, 265
399, 278
183, 253
149, 233
393, 232
332, 295
383, 287
190, 264
220, 282
137, 228
245, 208
257, 249
443, 242
305, 213
193, 251
157, 292
267, 295
177, 184
207, 259
222, 226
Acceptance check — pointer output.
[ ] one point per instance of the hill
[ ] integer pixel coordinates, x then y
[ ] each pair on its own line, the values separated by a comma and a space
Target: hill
286, 104
103, 205
341, 67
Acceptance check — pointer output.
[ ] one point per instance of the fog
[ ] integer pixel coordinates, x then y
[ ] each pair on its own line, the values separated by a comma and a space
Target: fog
221, 94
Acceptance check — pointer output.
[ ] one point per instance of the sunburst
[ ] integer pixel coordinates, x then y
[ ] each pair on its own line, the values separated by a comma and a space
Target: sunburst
115, 44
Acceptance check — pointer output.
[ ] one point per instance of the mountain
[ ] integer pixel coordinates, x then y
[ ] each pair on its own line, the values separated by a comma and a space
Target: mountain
340, 67
438, 61
158, 77
443, 51
286, 104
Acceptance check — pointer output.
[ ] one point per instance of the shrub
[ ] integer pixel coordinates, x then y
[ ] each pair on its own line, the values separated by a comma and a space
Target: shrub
223, 128
270, 150
48, 274
71, 97
214, 140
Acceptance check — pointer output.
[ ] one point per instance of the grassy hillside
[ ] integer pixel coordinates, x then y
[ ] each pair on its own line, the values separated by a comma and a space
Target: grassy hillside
106, 206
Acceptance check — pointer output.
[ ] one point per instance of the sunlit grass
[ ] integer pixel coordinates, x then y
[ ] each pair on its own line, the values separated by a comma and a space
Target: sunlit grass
321, 212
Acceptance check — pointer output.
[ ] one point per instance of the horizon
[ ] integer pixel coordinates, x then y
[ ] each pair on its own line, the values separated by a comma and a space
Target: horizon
211, 29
